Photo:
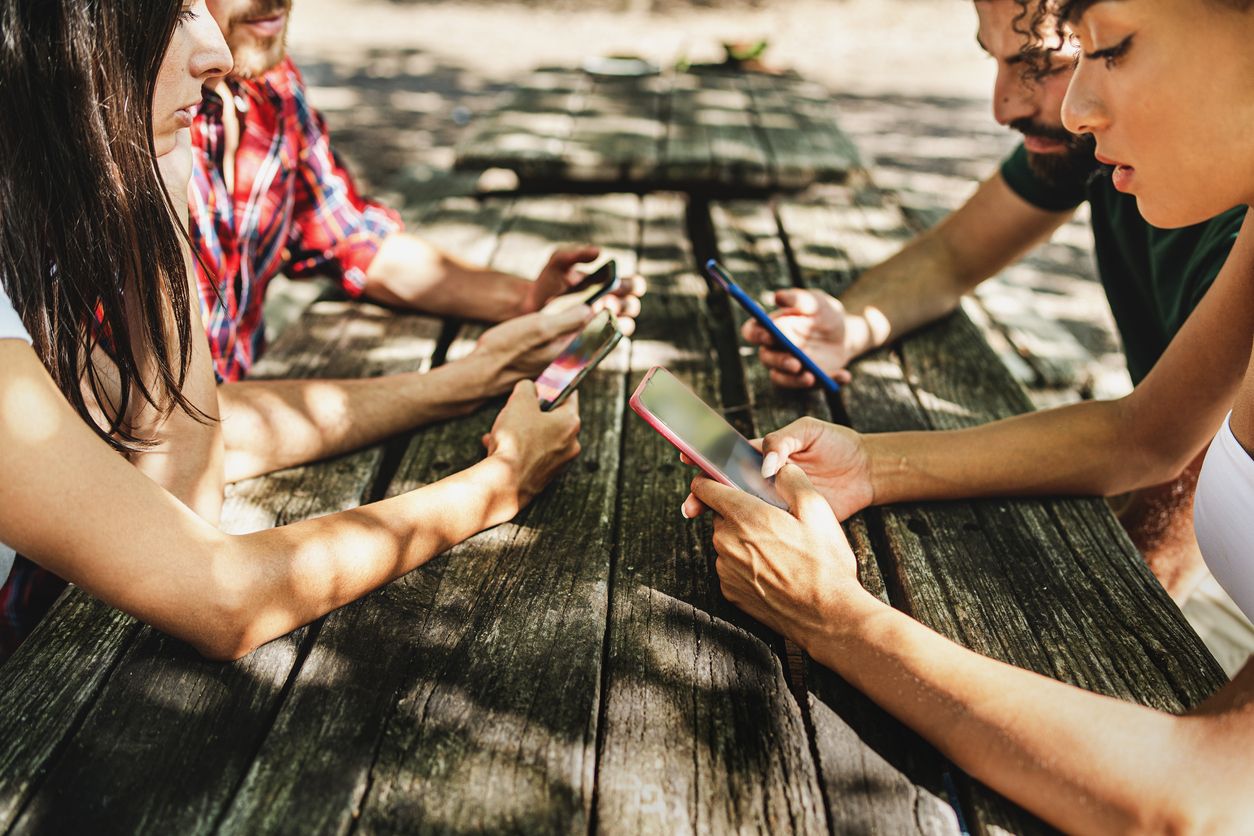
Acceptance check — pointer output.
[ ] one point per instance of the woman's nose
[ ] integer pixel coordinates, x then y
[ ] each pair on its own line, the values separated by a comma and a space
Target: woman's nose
1083, 111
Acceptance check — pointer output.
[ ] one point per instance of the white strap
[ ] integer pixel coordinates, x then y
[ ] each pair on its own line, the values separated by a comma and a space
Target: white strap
1223, 517
6, 562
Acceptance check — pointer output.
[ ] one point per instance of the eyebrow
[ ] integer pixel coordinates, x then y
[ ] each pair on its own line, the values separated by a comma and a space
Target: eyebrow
1014, 59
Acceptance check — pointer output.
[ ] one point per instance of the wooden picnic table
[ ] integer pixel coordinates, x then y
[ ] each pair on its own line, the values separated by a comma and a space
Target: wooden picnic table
705, 131
577, 670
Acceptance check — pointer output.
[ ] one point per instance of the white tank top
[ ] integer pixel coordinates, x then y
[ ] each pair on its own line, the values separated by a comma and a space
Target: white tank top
1223, 517
10, 322
10, 328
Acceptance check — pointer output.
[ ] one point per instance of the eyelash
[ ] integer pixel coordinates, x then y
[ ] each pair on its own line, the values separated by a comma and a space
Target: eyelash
186, 16
1111, 56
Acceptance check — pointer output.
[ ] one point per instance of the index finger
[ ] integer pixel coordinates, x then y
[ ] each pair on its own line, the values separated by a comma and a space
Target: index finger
725, 501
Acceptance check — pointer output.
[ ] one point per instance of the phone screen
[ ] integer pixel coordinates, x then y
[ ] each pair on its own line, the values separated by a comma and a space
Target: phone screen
600, 334
708, 433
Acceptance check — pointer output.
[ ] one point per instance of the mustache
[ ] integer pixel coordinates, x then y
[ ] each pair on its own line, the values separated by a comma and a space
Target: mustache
1027, 127
261, 10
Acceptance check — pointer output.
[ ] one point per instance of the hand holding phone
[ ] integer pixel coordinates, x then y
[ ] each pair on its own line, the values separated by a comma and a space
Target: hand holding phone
724, 280
703, 435
588, 348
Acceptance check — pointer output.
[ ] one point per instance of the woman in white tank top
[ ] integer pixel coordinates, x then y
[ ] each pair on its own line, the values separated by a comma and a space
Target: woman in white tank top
1167, 89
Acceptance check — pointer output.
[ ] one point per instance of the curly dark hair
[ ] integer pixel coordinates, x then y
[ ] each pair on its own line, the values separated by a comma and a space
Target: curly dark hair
1037, 16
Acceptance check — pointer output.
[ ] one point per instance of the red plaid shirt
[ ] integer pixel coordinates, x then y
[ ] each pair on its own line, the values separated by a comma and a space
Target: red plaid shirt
295, 209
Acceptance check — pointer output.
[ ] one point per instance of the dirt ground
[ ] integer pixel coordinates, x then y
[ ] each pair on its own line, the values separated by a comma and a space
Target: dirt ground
400, 81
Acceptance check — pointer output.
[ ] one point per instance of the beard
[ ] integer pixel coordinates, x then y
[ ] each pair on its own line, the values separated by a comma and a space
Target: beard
254, 57
1075, 162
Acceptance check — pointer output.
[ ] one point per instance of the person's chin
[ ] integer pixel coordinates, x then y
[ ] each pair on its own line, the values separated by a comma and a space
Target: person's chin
1169, 213
256, 58
164, 143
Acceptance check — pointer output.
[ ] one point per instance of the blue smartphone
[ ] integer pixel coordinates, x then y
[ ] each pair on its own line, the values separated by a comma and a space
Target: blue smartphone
718, 274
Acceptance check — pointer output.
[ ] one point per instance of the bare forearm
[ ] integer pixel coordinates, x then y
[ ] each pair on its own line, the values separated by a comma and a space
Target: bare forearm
409, 272
917, 286
1086, 763
292, 575
1095, 447
270, 425
926, 280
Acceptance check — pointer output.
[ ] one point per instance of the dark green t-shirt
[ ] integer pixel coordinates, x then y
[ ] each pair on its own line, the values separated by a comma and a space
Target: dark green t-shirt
1153, 277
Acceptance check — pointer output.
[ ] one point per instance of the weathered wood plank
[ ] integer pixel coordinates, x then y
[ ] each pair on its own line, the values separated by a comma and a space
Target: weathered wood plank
1050, 585
527, 746
187, 728
679, 130
81, 640
737, 150
489, 734
865, 790
530, 132
1131, 630
700, 731
1053, 351
617, 131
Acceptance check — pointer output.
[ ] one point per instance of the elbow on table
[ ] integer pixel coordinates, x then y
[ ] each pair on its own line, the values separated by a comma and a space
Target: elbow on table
229, 626
1152, 455
226, 637
1199, 812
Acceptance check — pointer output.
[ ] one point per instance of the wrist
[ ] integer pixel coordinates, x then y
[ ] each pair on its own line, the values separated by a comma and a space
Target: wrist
858, 337
474, 379
888, 468
846, 621
500, 473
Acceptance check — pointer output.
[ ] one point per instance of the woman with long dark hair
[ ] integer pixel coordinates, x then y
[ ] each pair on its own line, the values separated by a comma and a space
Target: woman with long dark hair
102, 353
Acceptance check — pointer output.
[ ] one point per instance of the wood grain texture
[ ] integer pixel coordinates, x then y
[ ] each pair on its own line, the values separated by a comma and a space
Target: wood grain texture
530, 134
186, 728
618, 131
463, 698
800, 132
80, 640
700, 731
877, 775
1050, 585
678, 130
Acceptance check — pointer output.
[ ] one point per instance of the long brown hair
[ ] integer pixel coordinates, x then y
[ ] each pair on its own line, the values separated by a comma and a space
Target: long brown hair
89, 252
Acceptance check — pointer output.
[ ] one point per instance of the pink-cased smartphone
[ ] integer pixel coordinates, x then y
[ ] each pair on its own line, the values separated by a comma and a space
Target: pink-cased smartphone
703, 435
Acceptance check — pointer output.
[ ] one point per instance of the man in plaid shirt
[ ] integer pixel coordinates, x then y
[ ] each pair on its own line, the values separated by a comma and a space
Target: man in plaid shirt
268, 194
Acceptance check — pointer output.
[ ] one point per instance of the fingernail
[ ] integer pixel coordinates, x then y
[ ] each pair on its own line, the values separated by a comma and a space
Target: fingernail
770, 463
683, 509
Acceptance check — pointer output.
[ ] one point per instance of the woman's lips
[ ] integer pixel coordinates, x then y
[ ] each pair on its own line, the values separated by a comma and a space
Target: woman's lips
184, 115
1122, 178
268, 27
1123, 174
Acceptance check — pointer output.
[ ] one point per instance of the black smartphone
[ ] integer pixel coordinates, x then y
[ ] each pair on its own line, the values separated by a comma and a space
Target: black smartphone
590, 346
605, 279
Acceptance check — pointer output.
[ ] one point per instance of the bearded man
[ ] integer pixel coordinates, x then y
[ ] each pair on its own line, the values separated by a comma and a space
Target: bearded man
269, 195
1153, 278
